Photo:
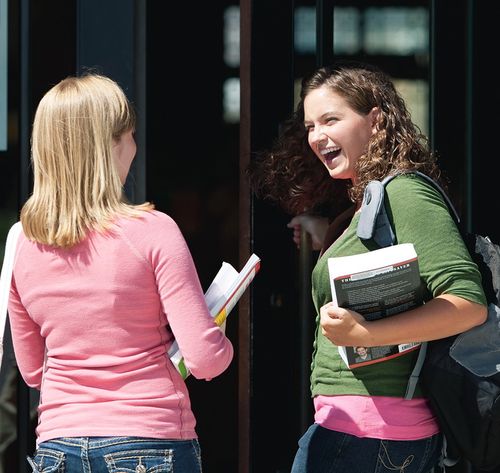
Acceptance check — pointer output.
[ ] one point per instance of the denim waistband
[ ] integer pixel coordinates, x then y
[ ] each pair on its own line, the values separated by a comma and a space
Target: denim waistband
100, 442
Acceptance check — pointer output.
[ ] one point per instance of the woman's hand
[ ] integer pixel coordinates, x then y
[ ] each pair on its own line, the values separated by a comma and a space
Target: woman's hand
314, 225
343, 327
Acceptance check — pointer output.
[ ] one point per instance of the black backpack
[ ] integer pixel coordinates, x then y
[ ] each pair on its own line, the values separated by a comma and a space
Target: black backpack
460, 375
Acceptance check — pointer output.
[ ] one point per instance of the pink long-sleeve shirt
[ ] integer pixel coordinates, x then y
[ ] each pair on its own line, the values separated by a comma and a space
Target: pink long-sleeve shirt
106, 312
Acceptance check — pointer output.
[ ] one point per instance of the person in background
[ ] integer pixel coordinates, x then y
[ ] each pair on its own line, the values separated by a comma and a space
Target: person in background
100, 290
352, 126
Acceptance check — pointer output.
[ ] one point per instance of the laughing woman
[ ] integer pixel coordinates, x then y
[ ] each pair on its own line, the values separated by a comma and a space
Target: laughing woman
351, 126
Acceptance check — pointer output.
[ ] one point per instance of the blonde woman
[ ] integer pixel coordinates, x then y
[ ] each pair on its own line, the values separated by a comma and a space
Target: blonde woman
100, 290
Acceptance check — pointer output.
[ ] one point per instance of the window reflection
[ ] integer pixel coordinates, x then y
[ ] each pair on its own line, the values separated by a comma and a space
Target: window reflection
305, 30
397, 31
232, 36
346, 30
384, 31
231, 54
388, 31
231, 100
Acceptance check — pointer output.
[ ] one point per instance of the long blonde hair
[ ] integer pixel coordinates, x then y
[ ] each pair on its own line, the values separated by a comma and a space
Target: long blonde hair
77, 187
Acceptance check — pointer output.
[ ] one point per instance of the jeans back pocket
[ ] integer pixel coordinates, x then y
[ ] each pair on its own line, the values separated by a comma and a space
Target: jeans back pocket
47, 460
140, 461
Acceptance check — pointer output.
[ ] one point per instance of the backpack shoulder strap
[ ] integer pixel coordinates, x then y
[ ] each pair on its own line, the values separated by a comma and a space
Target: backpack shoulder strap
413, 380
373, 220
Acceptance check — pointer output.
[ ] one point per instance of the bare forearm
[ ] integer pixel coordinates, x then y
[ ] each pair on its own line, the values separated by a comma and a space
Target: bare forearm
441, 317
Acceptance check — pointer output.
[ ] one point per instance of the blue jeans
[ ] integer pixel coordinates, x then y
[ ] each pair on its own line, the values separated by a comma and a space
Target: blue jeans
327, 451
116, 455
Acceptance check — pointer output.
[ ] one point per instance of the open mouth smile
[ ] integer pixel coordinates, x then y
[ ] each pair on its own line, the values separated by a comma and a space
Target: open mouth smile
329, 154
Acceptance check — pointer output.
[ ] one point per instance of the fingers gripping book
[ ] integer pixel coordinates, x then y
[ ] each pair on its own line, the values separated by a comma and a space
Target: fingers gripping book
376, 284
223, 294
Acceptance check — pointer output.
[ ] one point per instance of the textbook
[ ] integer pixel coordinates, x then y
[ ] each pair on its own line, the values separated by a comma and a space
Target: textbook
376, 284
223, 294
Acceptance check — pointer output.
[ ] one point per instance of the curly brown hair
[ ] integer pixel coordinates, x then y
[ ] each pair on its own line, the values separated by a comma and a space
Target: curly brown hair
290, 174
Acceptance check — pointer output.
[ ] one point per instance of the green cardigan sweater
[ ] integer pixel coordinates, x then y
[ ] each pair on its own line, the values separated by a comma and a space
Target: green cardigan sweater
418, 215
